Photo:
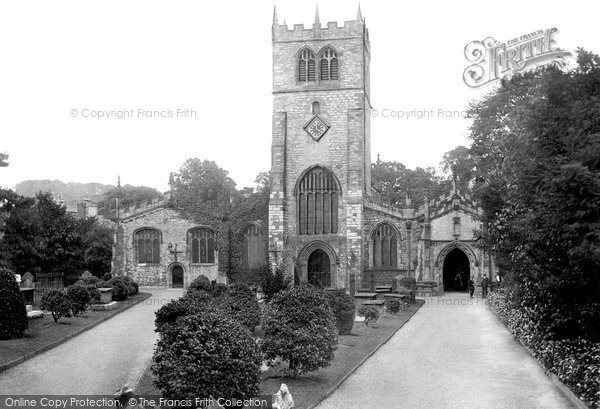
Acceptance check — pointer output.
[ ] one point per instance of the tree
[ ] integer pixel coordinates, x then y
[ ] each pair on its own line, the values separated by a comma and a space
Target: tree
459, 164
98, 241
4, 159
57, 303
129, 196
300, 328
13, 315
536, 156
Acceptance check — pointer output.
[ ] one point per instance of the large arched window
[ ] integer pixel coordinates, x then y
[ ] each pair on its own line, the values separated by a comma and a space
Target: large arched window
253, 247
306, 66
328, 65
385, 246
147, 244
317, 200
203, 245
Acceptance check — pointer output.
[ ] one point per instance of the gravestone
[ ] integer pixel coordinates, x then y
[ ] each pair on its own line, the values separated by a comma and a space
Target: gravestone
86, 274
283, 398
28, 276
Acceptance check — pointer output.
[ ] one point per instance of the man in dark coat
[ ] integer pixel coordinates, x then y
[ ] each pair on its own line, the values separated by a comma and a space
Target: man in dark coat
471, 286
484, 286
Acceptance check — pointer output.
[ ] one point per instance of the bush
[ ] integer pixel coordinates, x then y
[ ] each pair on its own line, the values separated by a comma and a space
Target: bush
89, 280
300, 328
102, 284
107, 277
191, 303
371, 314
200, 283
79, 298
57, 303
120, 288
575, 361
408, 282
273, 282
219, 289
94, 294
132, 286
205, 355
394, 305
240, 303
13, 314
343, 309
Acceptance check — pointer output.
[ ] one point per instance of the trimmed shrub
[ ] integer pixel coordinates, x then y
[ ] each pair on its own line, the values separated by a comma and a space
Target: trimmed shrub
79, 298
273, 282
13, 314
191, 303
94, 293
394, 305
300, 328
240, 303
371, 314
219, 289
89, 280
343, 309
57, 303
204, 355
132, 286
120, 288
107, 277
102, 284
408, 282
200, 283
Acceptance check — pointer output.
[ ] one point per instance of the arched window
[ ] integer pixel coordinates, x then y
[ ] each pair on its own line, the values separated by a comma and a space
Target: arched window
316, 108
328, 65
203, 245
253, 247
306, 66
147, 244
385, 246
317, 200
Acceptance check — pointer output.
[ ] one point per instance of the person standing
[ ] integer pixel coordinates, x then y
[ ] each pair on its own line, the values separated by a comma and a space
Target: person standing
484, 286
471, 286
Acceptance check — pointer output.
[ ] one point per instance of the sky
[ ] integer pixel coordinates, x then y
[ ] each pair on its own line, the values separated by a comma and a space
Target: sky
206, 66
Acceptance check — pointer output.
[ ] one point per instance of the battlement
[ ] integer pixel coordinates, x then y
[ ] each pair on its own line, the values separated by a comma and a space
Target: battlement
351, 28
447, 201
145, 207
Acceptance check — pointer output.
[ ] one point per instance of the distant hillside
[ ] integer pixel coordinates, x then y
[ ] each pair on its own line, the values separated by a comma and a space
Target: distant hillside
70, 191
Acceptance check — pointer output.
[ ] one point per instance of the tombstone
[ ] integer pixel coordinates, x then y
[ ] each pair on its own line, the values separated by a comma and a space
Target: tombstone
28, 276
283, 398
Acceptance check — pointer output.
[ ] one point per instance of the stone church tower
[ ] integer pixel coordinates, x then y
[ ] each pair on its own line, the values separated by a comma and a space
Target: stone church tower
320, 149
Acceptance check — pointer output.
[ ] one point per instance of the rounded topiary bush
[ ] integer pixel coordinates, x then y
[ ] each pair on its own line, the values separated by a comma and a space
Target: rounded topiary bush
132, 286
79, 298
219, 289
343, 308
300, 328
205, 355
56, 302
95, 296
371, 314
200, 283
393, 305
102, 284
13, 314
120, 289
191, 303
241, 304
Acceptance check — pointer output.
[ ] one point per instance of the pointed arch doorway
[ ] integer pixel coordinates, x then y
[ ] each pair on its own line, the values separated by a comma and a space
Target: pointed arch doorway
177, 276
456, 270
319, 269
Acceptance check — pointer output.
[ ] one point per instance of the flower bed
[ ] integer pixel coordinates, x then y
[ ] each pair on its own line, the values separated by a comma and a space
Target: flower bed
576, 362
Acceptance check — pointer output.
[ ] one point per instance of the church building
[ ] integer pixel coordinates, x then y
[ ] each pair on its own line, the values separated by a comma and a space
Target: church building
325, 225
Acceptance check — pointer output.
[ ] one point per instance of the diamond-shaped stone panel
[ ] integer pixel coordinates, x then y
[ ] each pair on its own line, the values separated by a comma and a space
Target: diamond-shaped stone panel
316, 128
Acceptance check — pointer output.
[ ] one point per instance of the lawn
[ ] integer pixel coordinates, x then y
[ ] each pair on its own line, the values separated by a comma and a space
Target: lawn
44, 333
310, 389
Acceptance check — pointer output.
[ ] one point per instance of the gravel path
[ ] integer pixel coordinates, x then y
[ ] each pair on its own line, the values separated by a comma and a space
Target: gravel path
98, 361
453, 353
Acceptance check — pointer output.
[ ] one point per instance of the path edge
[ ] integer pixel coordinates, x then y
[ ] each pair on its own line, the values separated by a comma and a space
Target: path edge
8, 365
568, 393
369, 355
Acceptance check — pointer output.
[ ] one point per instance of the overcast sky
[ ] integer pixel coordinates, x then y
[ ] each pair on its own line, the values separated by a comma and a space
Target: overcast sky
63, 59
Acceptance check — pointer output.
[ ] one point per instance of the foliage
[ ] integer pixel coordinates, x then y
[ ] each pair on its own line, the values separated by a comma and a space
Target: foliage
272, 282
103, 284
536, 150
393, 305
94, 294
219, 289
200, 283
408, 282
191, 303
106, 277
240, 303
57, 303
206, 355
344, 310
128, 196
79, 298
120, 288
459, 164
371, 314
300, 328
13, 314
132, 287
575, 361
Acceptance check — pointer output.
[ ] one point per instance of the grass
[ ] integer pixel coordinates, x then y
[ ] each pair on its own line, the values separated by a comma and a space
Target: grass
312, 388
44, 333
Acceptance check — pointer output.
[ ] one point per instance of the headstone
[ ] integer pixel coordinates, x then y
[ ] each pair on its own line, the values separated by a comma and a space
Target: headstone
283, 398
27, 284
86, 274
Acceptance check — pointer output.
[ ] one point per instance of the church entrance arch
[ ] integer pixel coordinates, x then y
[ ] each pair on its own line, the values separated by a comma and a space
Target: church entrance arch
177, 276
456, 270
317, 264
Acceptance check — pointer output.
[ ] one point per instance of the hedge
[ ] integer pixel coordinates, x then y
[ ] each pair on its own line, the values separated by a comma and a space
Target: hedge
13, 313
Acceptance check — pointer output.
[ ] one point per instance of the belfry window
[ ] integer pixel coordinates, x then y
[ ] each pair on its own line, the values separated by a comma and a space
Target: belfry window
385, 246
317, 201
328, 65
306, 66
